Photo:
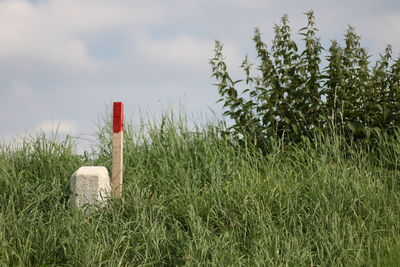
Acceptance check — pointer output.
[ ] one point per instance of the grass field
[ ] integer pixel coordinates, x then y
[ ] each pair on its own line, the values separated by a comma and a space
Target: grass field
194, 198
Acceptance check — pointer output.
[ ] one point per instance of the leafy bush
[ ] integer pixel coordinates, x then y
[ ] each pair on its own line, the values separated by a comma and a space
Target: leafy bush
292, 95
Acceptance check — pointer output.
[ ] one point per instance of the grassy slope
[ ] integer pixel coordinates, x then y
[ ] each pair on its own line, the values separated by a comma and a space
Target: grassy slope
192, 198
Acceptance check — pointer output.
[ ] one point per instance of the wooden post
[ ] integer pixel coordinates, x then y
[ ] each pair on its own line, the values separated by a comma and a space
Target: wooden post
117, 149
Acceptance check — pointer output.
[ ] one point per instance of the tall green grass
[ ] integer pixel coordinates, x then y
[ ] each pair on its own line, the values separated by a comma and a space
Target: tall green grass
194, 197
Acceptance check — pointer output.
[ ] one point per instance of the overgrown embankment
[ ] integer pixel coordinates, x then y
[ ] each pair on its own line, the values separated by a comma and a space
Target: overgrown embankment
196, 198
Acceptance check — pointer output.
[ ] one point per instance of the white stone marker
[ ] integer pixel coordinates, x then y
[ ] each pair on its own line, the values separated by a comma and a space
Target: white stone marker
90, 185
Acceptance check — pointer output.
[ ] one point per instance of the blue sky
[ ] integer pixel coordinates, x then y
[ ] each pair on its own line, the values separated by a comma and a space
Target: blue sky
63, 61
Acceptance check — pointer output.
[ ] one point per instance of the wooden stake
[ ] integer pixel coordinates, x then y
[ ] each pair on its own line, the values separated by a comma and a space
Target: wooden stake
117, 149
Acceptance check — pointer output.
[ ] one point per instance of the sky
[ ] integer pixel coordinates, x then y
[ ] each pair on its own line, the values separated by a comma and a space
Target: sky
63, 62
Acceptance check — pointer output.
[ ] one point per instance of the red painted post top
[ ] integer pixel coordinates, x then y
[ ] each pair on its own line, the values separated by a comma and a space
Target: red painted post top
118, 117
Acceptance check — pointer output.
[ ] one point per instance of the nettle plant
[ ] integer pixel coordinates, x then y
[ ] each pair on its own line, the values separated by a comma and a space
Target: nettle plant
288, 95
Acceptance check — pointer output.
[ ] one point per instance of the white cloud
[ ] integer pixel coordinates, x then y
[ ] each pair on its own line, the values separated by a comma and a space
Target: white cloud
381, 30
182, 51
59, 127
48, 127
28, 44
245, 4
21, 91
52, 37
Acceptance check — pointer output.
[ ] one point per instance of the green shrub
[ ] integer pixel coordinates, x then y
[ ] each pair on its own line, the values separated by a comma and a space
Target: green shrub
292, 96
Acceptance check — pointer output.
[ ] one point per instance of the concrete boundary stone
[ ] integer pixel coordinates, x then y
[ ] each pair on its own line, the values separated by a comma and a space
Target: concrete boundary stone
90, 185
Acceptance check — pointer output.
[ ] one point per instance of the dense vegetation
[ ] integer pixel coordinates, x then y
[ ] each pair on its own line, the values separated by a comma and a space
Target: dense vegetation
203, 197
291, 95
196, 198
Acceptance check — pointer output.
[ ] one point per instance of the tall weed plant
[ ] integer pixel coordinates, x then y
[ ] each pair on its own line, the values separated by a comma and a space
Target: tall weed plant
289, 95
